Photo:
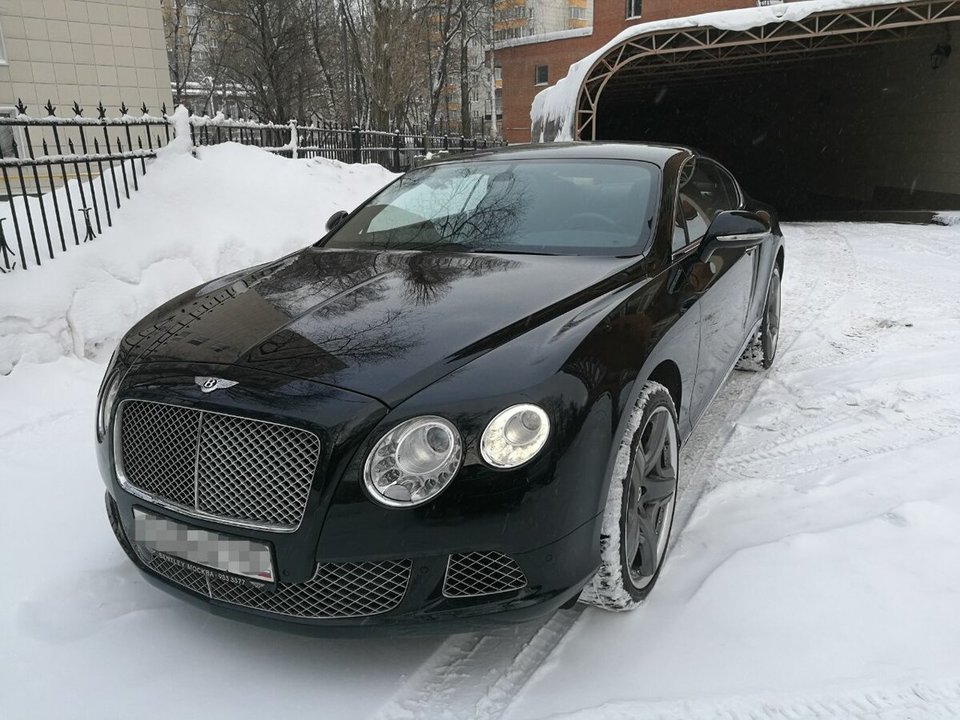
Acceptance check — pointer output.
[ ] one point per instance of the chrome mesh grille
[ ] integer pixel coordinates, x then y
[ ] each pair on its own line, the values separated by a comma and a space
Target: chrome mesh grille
179, 574
248, 472
481, 573
337, 590
159, 449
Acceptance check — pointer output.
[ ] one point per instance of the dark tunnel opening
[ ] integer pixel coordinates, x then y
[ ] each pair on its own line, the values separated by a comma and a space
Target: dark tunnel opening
866, 134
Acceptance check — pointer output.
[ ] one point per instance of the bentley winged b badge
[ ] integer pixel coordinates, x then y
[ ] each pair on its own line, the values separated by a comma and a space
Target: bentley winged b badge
209, 384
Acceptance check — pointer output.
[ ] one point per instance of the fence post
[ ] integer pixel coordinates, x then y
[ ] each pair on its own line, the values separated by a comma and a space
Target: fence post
462, 144
294, 139
357, 157
446, 142
396, 149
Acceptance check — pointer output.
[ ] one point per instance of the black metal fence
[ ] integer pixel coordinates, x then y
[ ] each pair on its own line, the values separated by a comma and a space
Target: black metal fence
65, 178
395, 150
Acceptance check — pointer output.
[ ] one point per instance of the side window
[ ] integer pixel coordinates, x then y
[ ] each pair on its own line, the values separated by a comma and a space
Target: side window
728, 196
730, 185
679, 227
704, 192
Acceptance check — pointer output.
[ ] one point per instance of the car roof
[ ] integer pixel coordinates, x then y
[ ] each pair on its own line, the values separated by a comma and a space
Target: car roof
648, 152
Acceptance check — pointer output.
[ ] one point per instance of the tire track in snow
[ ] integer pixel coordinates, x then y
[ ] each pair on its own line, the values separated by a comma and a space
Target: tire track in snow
906, 703
475, 676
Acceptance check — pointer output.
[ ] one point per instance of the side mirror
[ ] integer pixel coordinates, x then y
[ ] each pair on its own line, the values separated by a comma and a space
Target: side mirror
733, 229
336, 220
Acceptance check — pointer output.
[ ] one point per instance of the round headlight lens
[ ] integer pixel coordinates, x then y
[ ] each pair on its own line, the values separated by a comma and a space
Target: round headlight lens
515, 436
414, 462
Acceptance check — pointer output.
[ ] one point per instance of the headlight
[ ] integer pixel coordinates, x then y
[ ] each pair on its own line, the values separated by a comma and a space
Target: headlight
515, 436
414, 462
108, 395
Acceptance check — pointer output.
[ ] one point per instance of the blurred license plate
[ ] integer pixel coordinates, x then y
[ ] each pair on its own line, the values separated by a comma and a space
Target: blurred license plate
233, 556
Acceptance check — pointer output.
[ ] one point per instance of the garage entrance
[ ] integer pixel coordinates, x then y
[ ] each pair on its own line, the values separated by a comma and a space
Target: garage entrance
842, 114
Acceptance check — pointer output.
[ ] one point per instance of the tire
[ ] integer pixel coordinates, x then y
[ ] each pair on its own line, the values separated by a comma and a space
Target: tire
762, 349
638, 515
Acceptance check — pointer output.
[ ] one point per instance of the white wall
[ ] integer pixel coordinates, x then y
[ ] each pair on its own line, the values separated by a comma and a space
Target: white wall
83, 50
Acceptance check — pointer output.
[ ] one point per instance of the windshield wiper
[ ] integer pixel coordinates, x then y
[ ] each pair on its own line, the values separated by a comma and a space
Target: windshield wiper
500, 251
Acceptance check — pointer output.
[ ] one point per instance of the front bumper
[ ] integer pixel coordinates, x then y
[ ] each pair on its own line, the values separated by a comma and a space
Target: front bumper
553, 577
544, 518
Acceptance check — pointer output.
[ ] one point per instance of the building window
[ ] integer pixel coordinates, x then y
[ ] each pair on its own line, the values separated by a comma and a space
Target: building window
634, 8
3, 48
540, 76
578, 13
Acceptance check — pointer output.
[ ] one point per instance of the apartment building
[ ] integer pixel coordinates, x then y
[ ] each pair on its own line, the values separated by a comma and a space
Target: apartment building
86, 51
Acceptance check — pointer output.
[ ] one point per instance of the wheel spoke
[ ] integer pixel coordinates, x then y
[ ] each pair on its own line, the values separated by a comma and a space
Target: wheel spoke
658, 433
657, 487
631, 534
645, 557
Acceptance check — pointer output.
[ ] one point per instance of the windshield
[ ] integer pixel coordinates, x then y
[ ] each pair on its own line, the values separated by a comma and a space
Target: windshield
561, 207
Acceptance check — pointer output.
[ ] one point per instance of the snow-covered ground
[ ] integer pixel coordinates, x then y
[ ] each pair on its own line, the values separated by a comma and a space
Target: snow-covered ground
815, 571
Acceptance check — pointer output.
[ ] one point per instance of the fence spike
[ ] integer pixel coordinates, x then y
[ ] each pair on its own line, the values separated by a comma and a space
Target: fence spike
77, 110
144, 108
102, 111
163, 108
50, 108
123, 108
21, 108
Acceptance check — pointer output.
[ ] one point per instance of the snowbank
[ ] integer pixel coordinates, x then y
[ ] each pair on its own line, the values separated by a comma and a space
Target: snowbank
195, 218
551, 114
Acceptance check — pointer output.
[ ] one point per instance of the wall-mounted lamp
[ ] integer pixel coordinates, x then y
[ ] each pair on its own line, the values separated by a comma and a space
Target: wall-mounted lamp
939, 55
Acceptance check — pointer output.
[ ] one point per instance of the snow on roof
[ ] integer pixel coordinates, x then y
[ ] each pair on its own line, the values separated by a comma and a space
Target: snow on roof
557, 103
544, 37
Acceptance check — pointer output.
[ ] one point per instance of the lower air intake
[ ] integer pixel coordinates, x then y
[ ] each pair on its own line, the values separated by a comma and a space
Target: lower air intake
337, 590
482, 573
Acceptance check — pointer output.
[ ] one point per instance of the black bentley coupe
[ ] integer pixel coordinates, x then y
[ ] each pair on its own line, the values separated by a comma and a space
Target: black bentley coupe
464, 403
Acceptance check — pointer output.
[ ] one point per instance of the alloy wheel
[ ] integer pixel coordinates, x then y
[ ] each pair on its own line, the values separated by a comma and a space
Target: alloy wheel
651, 497
772, 317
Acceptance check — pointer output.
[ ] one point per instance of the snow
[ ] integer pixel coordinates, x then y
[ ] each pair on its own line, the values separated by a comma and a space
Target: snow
545, 37
194, 219
947, 218
813, 572
556, 105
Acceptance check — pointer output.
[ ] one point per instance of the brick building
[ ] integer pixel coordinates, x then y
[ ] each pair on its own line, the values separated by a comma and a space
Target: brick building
533, 62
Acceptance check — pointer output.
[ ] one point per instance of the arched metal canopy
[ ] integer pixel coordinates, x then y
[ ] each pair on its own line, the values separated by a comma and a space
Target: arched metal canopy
686, 52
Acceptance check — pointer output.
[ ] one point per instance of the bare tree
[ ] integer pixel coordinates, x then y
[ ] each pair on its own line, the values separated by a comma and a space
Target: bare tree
264, 53
183, 22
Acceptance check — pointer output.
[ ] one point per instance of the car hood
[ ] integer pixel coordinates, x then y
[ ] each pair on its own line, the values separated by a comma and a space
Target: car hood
384, 324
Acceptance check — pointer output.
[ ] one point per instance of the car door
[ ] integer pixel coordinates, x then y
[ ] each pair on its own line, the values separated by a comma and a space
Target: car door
723, 283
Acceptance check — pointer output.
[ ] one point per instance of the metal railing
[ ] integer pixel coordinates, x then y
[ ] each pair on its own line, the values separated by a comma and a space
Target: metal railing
65, 178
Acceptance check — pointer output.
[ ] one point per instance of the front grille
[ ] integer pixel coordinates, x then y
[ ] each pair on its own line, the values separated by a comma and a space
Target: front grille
222, 467
337, 590
481, 573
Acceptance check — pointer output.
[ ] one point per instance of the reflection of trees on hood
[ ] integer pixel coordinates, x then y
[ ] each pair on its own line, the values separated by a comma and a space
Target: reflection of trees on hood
317, 276
427, 277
